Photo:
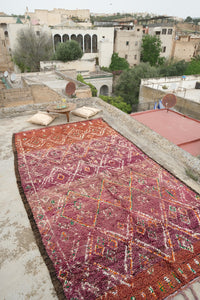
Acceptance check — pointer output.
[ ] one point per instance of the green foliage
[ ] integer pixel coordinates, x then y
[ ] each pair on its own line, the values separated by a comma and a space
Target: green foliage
92, 87
70, 50
31, 49
117, 102
109, 18
128, 84
106, 69
194, 21
151, 49
193, 66
20, 16
118, 63
188, 20
173, 68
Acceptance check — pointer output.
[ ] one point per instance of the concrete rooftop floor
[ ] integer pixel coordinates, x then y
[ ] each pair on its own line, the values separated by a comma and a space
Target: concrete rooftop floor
23, 273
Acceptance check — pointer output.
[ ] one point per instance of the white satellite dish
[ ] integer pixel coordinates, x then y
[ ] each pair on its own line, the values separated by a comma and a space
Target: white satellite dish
13, 77
5, 74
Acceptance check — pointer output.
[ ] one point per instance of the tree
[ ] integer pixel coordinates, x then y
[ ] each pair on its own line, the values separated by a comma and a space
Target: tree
193, 66
118, 63
173, 68
117, 102
151, 49
128, 84
31, 49
70, 50
188, 19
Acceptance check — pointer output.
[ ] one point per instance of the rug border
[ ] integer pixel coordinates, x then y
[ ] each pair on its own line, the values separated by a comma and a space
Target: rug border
48, 262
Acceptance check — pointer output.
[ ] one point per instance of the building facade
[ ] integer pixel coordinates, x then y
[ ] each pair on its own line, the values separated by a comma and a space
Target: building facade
186, 47
96, 42
166, 33
128, 44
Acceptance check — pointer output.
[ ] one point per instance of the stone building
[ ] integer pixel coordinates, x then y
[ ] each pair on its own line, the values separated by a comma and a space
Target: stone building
186, 47
5, 59
166, 33
95, 42
56, 16
128, 44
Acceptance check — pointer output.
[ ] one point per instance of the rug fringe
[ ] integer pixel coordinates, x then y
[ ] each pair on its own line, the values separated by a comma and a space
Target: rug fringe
56, 283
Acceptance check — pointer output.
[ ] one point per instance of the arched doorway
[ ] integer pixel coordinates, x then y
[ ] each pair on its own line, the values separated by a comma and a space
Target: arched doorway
57, 40
104, 90
73, 37
87, 42
65, 38
80, 40
94, 43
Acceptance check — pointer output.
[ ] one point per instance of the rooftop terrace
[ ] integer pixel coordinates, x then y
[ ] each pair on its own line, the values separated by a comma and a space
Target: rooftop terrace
23, 272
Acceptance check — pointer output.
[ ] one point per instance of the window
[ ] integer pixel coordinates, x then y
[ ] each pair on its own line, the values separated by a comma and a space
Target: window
169, 31
37, 33
164, 49
6, 33
127, 43
138, 29
135, 56
136, 43
157, 32
164, 31
126, 56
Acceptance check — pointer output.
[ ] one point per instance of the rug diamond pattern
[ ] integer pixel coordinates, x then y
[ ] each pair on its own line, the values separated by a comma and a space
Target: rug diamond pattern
106, 212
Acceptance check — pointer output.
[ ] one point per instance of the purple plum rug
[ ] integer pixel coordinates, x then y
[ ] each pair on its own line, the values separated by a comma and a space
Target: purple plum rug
109, 221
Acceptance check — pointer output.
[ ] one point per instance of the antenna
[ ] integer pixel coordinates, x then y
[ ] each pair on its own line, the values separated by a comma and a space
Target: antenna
169, 101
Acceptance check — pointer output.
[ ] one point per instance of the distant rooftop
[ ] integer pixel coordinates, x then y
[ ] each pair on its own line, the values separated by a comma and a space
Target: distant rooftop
177, 128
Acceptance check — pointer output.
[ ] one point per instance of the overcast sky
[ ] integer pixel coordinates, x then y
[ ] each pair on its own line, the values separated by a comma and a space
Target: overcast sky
177, 8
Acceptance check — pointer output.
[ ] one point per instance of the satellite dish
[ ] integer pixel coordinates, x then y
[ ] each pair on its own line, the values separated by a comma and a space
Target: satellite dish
5, 74
13, 77
169, 100
70, 88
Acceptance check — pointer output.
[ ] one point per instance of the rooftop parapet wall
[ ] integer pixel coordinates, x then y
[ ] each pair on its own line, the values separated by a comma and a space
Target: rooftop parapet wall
184, 106
27, 95
172, 83
79, 65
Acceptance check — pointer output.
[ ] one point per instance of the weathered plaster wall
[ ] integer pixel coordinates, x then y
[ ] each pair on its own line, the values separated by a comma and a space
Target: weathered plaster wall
28, 95
78, 65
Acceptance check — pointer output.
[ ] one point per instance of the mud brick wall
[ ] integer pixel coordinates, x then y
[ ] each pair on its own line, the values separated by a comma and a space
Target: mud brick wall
42, 93
27, 95
15, 97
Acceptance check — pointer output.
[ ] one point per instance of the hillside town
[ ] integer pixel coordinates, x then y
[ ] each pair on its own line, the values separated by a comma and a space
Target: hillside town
100, 156
180, 40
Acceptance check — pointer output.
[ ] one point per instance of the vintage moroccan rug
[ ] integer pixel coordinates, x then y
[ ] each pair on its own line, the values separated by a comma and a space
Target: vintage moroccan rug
109, 221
